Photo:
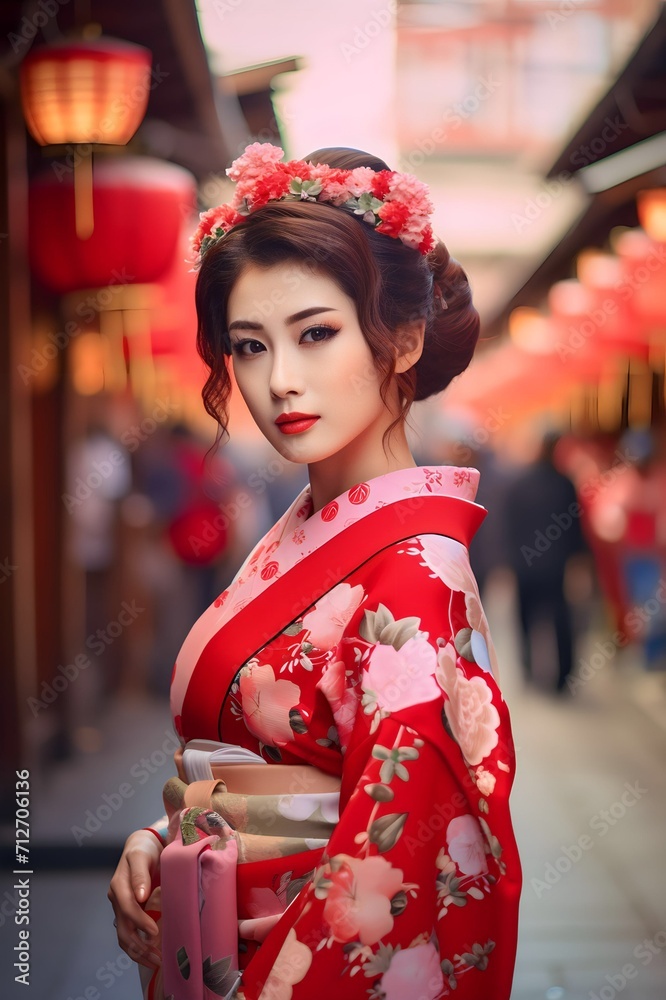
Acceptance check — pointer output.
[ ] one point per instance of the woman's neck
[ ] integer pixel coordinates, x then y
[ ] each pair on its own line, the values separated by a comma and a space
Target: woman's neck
357, 463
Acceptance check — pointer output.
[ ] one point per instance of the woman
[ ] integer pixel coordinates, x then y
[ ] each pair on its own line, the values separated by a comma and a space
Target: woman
370, 842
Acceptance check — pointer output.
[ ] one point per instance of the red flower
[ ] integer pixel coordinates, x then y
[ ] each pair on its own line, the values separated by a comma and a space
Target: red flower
428, 241
394, 215
271, 187
220, 217
380, 183
298, 168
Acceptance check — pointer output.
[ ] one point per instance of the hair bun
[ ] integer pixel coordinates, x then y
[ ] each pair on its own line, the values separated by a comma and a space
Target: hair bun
453, 331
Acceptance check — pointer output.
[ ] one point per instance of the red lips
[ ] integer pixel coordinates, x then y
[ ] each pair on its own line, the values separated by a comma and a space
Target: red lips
286, 418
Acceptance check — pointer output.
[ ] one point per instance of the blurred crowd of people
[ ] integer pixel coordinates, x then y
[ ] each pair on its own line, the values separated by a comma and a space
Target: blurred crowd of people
577, 523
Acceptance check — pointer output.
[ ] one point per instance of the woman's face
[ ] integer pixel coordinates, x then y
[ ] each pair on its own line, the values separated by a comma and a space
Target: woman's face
298, 349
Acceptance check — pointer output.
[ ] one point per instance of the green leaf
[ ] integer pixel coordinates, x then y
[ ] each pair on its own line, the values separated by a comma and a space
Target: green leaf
219, 976
387, 770
463, 644
296, 722
398, 903
447, 724
380, 793
296, 884
183, 963
387, 830
294, 629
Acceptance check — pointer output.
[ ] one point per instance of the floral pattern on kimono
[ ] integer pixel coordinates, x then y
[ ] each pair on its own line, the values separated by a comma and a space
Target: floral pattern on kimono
389, 680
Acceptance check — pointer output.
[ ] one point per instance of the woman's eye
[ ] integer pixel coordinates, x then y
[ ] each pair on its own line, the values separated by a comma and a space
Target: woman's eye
314, 335
247, 347
319, 333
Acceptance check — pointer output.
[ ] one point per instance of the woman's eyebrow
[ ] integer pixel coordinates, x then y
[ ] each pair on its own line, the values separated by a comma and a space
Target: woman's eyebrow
246, 324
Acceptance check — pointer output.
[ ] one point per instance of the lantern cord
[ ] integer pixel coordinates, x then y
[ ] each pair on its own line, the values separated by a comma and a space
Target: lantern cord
83, 196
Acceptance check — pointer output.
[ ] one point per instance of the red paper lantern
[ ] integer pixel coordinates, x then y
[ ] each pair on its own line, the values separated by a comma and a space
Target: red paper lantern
643, 263
139, 206
86, 91
173, 320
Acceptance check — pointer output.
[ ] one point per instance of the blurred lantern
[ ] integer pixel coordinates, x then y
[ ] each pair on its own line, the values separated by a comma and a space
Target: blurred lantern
617, 325
140, 203
532, 331
652, 213
571, 305
643, 265
84, 93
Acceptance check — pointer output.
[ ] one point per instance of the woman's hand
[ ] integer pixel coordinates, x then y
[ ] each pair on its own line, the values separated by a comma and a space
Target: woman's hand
129, 889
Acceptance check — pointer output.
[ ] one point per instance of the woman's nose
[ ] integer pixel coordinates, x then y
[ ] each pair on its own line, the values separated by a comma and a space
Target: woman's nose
285, 375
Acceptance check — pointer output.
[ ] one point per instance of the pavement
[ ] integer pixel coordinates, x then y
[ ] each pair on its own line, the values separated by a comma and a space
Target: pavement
589, 813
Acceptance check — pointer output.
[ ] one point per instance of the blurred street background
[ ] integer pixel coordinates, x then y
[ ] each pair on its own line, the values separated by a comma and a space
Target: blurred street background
540, 126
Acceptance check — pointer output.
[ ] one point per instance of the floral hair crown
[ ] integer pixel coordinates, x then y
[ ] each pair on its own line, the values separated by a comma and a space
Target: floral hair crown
395, 204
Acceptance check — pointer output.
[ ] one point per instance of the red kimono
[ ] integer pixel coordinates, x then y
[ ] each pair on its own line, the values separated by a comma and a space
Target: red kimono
370, 658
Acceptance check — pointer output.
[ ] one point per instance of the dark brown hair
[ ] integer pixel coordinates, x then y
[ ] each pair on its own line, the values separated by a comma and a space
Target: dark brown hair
391, 284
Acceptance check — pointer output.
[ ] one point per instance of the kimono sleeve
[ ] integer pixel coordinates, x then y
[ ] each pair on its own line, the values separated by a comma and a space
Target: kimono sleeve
417, 893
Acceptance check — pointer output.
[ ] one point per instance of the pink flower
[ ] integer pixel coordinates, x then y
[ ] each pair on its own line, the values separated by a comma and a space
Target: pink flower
469, 710
358, 904
258, 159
266, 703
331, 615
289, 968
360, 180
342, 699
415, 973
466, 845
334, 183
411, 192
399, 678
449, 560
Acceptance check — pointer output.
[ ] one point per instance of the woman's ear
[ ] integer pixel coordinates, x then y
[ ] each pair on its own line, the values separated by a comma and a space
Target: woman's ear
410, 344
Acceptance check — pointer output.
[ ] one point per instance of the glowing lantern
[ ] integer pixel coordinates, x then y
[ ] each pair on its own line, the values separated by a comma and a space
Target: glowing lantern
140, 203
652, 213
618, 326
85, 93
532, 331
643, 263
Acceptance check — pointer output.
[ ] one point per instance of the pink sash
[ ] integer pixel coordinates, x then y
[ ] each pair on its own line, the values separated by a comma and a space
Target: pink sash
199, 940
